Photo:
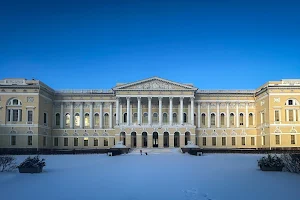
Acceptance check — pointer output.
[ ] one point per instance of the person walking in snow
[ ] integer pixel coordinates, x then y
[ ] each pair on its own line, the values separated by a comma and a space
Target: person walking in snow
141, 151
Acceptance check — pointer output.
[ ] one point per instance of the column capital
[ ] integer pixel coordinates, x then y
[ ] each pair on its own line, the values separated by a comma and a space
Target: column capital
139, 98
160, 98
128, 98
149, 98
101, 103
192, 98
181, 98
171, 98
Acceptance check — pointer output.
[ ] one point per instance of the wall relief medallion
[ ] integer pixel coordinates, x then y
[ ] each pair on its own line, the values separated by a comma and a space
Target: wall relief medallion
276, 100
30, 99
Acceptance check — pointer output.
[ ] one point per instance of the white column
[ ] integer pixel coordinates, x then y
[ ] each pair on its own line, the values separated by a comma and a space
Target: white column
160, 110
181, 110
101, 116
218, 115
128, 110
227, 115
237, 115
247, 116
91, 115
61, 115
19, 115
287, 115
171, 111
81, 116
208, 115
199, 115
117, 111
188, 115
192, 111
149, 111
111, 115
139, 110
11, 115
72, 116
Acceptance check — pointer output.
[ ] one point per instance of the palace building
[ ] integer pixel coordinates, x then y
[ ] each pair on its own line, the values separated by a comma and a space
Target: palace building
150, 113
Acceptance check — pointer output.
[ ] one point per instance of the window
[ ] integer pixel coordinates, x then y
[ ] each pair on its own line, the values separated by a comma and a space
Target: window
56, 141
250, 119
15, 115
175, 118
264, 140
45, 118
222, 119
252, 141
75, 142
277, 139
155, 120
86, 119
204, 141
233, 141
44, 141
106, 119
165, 118
68, 120
231, 119
145, 118
213, 119
105, 142
214, 141
135, 117
241, 119
86, 141
184, 118
66, 142
9, 114
30, 140
15, 102
203, 119
96, 118
291, 115
95, 142
293, 139
13, 140
125, 117
243, 141
29, 116
223, 141
57, 119
77, 119
276, 115
290, 102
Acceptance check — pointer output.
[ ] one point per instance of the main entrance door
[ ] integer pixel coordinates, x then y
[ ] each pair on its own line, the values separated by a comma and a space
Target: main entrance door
176, 139
155, 139
166, 139
133, 139
144, 139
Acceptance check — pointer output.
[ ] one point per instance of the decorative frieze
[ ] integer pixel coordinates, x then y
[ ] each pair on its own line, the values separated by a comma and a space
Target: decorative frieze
154, 85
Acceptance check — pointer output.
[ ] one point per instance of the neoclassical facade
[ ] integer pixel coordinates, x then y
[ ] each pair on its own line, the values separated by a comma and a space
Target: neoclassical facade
150, 113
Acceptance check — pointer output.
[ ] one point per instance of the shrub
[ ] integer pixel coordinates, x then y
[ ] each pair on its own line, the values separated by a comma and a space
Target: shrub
291, 162
7, 163
270, 161
32, 162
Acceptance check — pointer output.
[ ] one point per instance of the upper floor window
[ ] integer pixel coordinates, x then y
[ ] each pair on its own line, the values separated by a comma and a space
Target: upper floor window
174, 118
45, 118
14, 102
251, 119
213, 119
203, 119
222, 119
184, 118
165, 118
231, 119
29, 116
57, 119
241, 119
291, 102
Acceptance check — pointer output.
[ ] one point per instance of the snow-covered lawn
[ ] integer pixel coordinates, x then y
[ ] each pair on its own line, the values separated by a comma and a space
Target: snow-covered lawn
156, 176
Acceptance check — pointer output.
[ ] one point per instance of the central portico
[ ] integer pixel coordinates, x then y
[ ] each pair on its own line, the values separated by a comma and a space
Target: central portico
155, 113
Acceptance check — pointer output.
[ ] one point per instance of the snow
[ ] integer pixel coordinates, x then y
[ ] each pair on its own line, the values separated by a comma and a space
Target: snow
166, 175
119, 145
191, 145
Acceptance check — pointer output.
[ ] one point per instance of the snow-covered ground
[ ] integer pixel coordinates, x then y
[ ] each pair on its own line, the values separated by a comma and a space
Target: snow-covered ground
165, 176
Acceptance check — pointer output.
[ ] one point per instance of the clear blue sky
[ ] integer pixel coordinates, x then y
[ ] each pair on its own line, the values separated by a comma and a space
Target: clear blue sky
214, 44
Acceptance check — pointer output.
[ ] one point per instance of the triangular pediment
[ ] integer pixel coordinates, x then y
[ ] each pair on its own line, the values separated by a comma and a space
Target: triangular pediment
155, 83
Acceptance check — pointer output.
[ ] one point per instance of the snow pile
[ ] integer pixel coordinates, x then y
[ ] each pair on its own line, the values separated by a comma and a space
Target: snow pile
119, 145
190, 144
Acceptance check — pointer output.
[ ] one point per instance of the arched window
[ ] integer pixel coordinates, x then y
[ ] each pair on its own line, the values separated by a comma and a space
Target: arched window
231, 119
96, 119
77, 119
175, 118
241, 119
15, 102
165, 118
106, 119
67, 119
222, 119
155, 118
184, 118
125, 117
105, 142
213, 119
250, 119
203, 119
291, 102
86, 119
57, 119
135, 115
145, 116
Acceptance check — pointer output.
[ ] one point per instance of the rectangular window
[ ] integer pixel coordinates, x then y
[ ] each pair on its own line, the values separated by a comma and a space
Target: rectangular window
276, 115
30, 140
233, 141
95, 142
223, 141
252, 141
290, 102
204, 141
15, 115
243, 141
291, 115
264, 140
66, 141
277, 139
105, 142
13, 140
75, 142
214, 141
56, 142
45, 118
9, 115
293, 139
86, 141
29, 116
44, 141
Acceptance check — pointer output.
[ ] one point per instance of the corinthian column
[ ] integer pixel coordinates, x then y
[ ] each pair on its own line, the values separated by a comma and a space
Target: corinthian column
171, 111
208, 115
237, 115
128, 110
91, 115
101, 115
149, 111
218, 115
181, 110
72, 116
62, 115
199, 115
247, 116
81, 116
227, 115
117, 111
160, 110
139, 110
192, 110
110, 115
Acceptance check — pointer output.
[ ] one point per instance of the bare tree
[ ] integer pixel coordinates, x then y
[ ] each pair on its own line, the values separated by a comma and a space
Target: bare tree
7, 163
